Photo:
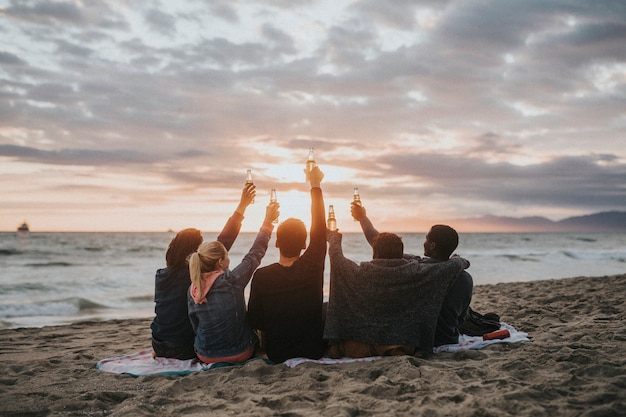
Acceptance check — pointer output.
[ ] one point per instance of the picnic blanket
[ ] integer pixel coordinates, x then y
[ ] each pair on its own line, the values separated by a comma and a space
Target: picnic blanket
142, 362
477, 342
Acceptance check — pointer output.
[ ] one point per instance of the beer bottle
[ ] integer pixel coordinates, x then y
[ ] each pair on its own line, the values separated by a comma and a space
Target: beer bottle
356, 198
249, 180
273, 199
332, 222
310, 162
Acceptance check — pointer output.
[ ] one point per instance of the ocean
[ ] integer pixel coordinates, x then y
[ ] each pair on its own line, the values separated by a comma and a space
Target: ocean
59, 278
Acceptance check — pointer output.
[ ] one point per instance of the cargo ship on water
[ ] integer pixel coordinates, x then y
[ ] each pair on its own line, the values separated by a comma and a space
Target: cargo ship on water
23, 229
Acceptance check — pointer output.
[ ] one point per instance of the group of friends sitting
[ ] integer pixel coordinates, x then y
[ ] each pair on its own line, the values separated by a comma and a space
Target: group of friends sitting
395, 304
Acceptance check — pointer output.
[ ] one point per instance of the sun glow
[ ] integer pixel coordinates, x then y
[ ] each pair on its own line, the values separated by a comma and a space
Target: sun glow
288, 173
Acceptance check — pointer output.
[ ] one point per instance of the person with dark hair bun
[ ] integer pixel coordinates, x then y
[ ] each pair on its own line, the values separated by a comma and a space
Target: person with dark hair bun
172, 334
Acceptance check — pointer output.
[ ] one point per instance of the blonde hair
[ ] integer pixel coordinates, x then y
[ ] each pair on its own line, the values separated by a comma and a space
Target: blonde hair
205, 259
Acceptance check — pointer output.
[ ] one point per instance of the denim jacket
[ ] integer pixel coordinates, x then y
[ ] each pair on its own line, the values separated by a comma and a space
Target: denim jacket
221, 324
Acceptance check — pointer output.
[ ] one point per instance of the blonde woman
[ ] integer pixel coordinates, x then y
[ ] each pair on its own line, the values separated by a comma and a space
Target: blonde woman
216, 302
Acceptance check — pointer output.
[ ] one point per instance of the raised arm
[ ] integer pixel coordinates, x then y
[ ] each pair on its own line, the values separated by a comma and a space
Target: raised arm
242, 274
339, 265
317, 241
231, 229
370, 232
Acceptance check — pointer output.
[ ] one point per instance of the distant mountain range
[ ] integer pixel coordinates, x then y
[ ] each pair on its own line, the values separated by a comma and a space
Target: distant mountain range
609, 221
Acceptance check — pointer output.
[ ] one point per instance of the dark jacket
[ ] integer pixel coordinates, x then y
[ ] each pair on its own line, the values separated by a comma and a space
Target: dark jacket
171, 322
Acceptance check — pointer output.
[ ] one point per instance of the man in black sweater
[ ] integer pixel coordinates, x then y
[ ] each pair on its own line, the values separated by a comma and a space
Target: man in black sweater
286, 298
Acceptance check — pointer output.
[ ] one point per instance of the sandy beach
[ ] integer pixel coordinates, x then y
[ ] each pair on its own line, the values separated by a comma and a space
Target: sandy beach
574, 365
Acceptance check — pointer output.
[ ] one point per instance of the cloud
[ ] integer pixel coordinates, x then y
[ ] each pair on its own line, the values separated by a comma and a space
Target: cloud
282, 40
74, 49
46, 12
516, 105
402, 15
160, 21
564, 181
224, 10
7, 58
76, 156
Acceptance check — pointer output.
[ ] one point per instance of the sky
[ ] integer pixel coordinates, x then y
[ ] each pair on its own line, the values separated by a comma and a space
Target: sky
123, 115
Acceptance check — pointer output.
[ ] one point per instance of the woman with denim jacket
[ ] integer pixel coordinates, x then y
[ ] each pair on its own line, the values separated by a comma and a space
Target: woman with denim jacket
216, 302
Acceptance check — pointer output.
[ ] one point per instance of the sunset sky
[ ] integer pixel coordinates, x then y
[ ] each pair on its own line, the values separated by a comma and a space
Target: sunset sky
127, 115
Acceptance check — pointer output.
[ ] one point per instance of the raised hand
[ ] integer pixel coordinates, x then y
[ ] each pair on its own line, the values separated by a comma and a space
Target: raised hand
271, 212
357, 211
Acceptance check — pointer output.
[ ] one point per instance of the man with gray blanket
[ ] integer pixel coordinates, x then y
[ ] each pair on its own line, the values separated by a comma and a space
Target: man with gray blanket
386, 306
441, 242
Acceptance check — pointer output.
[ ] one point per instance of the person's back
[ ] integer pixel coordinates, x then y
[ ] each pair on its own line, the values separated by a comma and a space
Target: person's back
441, 241
286, 298
172, 334
286, 306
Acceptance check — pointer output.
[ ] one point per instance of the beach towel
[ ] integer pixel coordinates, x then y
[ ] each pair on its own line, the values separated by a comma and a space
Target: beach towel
293, 362
465, 343
142, 363
478, 342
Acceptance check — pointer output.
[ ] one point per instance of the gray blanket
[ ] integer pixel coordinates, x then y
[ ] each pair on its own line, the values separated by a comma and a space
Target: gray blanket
386, 301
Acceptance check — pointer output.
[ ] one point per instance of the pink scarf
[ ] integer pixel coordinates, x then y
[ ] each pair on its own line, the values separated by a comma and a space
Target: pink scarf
208, 278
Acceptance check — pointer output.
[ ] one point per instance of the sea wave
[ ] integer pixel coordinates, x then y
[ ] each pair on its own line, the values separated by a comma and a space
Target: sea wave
146, 249
570, 254
9, 252
49, 264
586, 239
514, 258
64, 307
22, 287
93, 249
142, 298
